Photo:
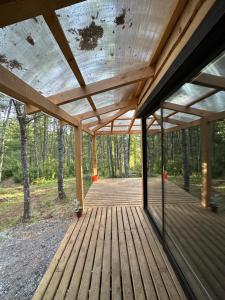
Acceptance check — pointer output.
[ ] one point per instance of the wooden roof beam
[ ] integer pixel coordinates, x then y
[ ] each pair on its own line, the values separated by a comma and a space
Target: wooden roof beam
14, 87
15, 11
100, 86
106, 109
57, 31
209, 80
186, 110
118, 132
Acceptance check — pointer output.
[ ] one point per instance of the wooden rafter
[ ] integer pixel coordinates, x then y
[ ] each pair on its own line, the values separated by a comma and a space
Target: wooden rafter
108, 120
118, 132
15, 11
187, 110
151, 122
132, 121
57, 31
100, 86
106, 109
208, 80
14, 87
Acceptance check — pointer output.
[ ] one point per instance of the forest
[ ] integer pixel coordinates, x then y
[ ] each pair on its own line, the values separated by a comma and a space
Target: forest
39, 147
37, 158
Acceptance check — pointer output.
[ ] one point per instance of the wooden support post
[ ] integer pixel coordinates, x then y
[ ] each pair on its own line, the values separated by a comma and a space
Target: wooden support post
95, 168
79, 165
206, 142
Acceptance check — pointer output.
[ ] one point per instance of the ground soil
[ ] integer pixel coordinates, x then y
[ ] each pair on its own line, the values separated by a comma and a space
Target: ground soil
25, 253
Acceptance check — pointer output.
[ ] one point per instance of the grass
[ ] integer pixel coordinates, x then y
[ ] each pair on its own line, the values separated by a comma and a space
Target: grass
44, 201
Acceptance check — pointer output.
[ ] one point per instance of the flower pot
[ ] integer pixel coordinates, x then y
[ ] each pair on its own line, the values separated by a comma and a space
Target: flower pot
78, 213
94, 178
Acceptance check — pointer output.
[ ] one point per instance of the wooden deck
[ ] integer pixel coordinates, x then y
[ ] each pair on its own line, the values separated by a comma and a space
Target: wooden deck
196, 237
110, 253
115, 192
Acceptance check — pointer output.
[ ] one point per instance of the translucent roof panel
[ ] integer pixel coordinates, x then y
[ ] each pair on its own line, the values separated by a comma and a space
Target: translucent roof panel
217, 67
184, 117
128, 114
77, 107
137, 122
113, 96
122, 128
104, 129
168, 125
110, 37
214, 103
29, 50
122, 122
108, 115
188, 93
90, 120
166, 112
136, 128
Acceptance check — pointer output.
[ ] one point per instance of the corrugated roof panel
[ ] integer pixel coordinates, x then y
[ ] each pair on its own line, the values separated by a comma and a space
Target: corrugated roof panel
29, 50
110, 37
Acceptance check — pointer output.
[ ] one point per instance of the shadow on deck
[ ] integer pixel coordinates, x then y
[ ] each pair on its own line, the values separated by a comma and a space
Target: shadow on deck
111, 252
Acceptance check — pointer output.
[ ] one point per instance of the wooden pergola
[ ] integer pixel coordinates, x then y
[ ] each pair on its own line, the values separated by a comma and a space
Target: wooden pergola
124, 85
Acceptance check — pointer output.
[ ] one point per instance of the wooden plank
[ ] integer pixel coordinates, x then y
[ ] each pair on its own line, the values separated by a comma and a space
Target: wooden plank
39, 293
58, 272
94, 153
206, 172
14, 87
17, 11
149, 249
116, 269
97, 268
106, 267
122, 132
58, 33
125, 266
100, 86
73, 289
145, 272
133, 260
186, 110
107, 253
79, 165
68, 271
209, 80
89, 260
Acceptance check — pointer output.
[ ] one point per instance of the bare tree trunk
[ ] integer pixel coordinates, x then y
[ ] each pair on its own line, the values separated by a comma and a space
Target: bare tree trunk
24, 158
185, 161
36, 156
109, 140
126, 146
45, 139
61, 152
2, 139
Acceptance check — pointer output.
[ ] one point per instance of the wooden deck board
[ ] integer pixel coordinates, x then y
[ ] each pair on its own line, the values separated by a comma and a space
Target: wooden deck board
111, 252
115, 192
96, 268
